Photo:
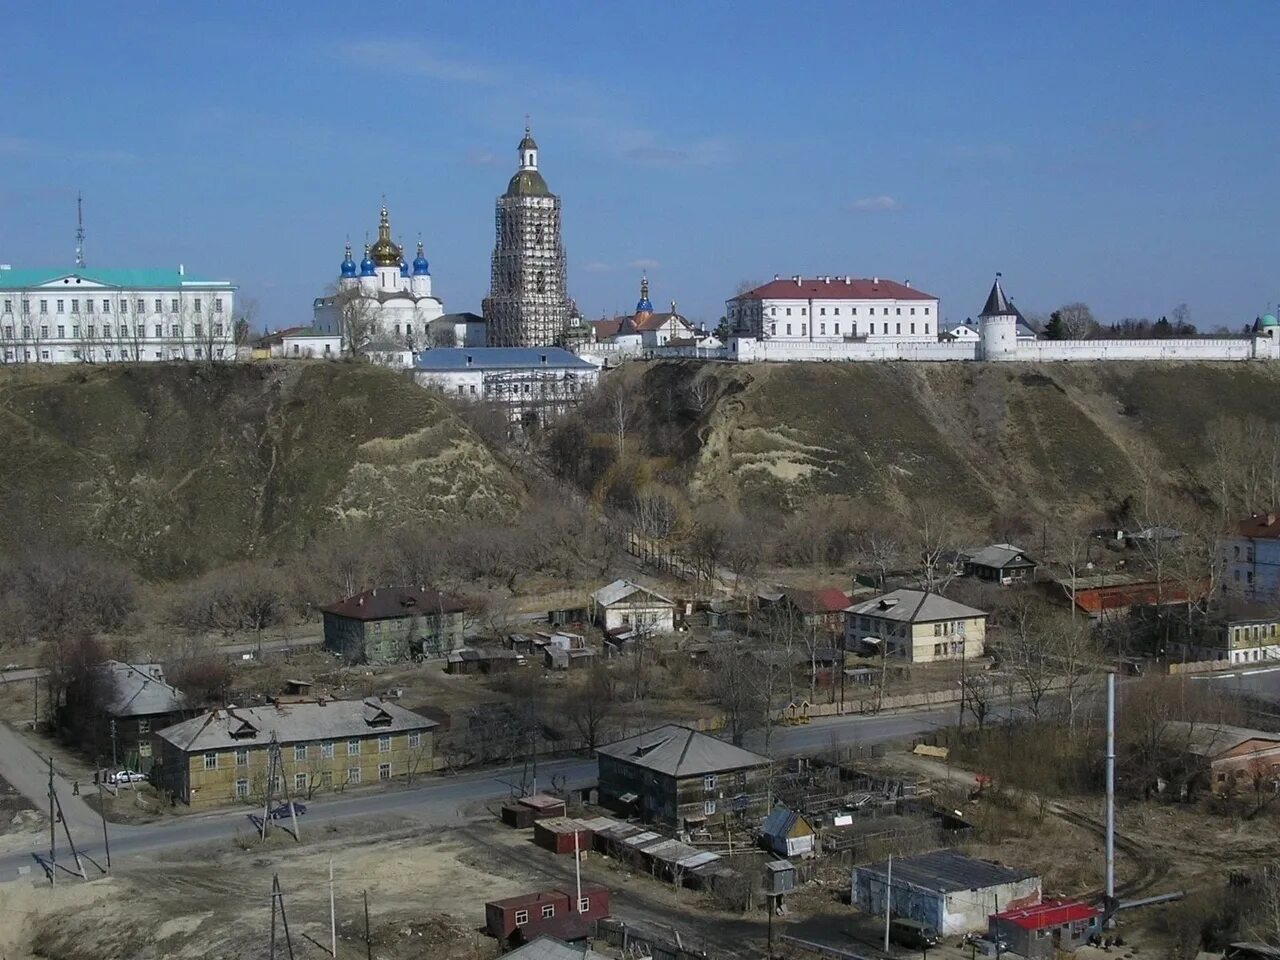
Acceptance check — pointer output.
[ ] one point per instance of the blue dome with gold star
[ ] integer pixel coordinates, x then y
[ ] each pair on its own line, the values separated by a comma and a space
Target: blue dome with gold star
366, 265
348, 265
420, 266
644, 305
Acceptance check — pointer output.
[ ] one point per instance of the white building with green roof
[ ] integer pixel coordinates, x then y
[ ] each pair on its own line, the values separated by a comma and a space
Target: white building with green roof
99, 315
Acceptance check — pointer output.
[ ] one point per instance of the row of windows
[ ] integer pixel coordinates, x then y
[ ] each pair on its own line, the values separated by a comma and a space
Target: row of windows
871, 311
515, 388
822, 329
28, 356
549, 911
140, 305
300, 780
301, 751
955, 648
120, 330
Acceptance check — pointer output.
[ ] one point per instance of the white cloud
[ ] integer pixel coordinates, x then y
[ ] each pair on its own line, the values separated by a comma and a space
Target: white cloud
595, 266
877, 204
416, 59
643, 264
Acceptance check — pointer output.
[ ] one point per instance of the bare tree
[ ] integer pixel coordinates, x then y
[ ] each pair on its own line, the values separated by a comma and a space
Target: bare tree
622, 408
358, 318
589, 704
935, 540
1077, 320
736, 686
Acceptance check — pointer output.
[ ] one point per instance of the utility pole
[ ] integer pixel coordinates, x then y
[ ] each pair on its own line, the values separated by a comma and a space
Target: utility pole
102, 809
79, 230
368, 942
1111, 791
53, 824
333, 916
114, 761
888, 899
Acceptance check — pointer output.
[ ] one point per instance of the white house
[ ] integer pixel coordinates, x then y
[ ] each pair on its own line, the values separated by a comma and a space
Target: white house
627, 606
93, 315
1251, 559
916, 626
534, 384
307, 344
834, 310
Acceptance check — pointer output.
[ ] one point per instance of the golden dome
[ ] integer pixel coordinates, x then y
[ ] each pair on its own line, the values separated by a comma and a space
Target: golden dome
385, 252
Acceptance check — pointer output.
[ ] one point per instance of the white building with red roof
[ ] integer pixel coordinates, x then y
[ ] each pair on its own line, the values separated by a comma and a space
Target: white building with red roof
835, 310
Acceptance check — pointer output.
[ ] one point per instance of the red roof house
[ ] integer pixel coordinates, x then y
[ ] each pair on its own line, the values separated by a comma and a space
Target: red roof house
1045, 928
553, 912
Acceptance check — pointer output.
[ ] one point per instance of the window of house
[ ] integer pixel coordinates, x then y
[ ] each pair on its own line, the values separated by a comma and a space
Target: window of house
75, 330
198, 304
353, 748
899, 328
822, 311
75, 306
522, 917
300, 782
61, 308
584, 904
44, 354
415, 739
709, 781
788, 311
26, 332
26, 307
106, 330
242, 788
326, 778
773, 311
836, 325
88, 306
708, 807
898, 310
173, 305
326, 749
804, 329
299, 751
198, 329
217, 332
926, 328
824, 328
211, 761
788, 329
159, 331
384, 771
353, 774
44, 306
242, 757
217, 304
548, 911
384, 744
175, 331
913, 328
8, 306
144, 725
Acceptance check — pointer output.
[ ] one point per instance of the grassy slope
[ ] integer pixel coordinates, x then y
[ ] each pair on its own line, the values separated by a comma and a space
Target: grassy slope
1041, 439
179, 467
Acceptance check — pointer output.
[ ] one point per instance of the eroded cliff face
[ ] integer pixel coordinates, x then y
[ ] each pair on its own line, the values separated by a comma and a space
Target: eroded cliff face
979, 438
177, 468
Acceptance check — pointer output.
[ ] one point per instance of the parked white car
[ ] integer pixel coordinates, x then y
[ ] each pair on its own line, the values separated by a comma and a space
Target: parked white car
126, 776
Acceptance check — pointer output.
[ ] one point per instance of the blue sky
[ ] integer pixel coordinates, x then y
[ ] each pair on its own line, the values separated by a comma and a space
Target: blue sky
1127, 155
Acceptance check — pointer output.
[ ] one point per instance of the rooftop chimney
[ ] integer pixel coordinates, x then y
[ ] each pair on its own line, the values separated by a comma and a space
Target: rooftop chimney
468, 359
796, 278
775, 276
182, 270
908, 284
826, 279
875, 279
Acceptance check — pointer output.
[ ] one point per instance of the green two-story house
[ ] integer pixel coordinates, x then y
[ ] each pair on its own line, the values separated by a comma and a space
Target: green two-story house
387, 624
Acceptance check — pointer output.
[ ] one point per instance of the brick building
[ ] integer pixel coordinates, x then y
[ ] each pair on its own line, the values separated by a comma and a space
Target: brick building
553, 913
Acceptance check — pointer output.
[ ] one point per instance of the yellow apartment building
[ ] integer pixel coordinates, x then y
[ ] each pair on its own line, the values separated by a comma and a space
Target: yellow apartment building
325, 745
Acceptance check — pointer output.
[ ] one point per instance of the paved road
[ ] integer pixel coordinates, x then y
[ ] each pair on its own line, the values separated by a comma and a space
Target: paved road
435, 801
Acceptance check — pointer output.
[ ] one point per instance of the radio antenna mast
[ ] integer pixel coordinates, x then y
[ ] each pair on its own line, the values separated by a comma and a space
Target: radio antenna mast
79, 229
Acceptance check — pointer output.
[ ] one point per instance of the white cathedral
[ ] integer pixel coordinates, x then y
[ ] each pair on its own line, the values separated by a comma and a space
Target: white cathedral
387, 296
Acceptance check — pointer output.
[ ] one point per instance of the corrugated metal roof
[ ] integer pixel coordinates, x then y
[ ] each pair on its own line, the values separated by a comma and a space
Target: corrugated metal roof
135, 690
388, 603
914, 606
680, 752
292, 723
160, 278
499, 358
999, 555
945, 871
621, 589
548, 948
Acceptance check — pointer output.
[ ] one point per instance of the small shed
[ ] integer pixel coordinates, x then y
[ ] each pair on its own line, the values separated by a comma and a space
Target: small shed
788, 834
1047, 928
562, 835
543, 806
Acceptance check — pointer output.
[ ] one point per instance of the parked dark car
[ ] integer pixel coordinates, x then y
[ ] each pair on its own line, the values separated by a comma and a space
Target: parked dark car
282, 811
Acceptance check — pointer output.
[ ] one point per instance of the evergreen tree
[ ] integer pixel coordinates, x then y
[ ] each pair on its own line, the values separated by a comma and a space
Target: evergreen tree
1055, 329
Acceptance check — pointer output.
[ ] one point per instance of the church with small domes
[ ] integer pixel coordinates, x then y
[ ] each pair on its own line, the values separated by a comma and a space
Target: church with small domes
382, 296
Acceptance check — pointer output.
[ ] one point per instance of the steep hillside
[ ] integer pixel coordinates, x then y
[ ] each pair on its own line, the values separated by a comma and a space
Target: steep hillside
181, 467
980, 438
